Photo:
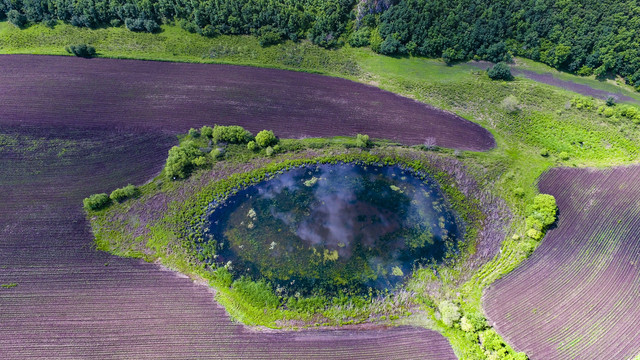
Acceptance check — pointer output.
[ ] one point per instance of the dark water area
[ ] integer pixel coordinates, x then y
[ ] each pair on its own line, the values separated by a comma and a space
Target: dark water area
332, 229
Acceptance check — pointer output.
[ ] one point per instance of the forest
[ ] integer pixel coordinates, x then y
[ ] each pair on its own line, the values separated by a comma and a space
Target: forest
583, 37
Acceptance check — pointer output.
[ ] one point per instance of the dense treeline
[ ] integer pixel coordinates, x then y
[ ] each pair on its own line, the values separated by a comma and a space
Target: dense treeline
586, 37
322, 21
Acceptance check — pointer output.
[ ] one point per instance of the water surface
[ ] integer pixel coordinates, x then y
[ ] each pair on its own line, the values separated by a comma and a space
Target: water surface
334, 228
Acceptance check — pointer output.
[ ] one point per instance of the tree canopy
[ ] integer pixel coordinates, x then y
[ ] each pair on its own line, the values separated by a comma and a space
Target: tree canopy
586, 37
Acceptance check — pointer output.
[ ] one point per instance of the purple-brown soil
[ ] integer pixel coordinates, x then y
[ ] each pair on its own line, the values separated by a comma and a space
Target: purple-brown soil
63, 137
176, 96
577, 297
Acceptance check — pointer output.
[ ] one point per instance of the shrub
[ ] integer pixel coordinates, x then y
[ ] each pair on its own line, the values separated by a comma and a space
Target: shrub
473, 323
450, 56
16, 18
50, 23
585, 71
362, 141
251, 145
124, 193
140, 25
563, 156
206, 131
217, 153
375, 41
81, 50
544, 152
449, 311
266, 138
391, 46
268, 36
500, 71
534, 234
210, 31
96, 201
194, 133
134, 24
542, 213
611, 101
360, 37
151, 26
269, 151
180, 160
231, 134
199, 161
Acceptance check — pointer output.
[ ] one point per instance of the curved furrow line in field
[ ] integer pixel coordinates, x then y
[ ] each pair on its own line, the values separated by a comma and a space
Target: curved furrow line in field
173, 97
74, 302
577, 296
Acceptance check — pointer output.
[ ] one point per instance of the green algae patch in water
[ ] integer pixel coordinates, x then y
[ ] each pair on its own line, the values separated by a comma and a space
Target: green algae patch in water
330, 229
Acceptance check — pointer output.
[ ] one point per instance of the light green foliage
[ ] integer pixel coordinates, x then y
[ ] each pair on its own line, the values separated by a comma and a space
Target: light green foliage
207, 131
258, 293
449, 311
180, 160
194, 133
268, 151
563, 155
124, 193
541, 214
9, 285
266, 138
251, 145
308, 305
362, 141
231, 134
200, 161
217, 153
473, 323
519, 192
96, 201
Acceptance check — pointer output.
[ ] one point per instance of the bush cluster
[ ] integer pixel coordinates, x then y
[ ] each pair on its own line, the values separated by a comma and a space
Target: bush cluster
141, 25
96, 201
362, 141
124, 193
500, 71
487, 344
229, 134
182, 159
541, 214
266, 138
16, 18
81, 50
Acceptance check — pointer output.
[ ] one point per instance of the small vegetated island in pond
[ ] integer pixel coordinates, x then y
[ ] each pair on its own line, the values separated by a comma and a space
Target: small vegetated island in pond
342, 228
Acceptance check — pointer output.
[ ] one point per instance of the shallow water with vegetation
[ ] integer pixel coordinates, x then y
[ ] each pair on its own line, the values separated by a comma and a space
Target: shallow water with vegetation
333, 229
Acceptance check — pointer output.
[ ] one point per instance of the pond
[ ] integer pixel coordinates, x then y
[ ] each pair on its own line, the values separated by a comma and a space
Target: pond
330, 229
